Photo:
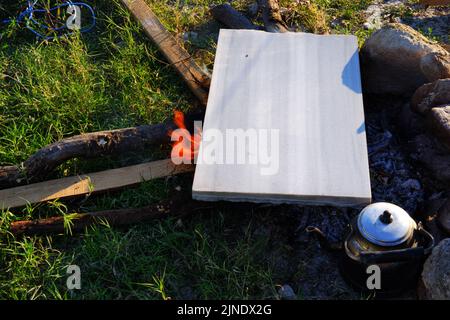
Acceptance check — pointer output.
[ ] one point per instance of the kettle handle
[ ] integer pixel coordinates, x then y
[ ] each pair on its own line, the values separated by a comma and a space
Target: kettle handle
370, 257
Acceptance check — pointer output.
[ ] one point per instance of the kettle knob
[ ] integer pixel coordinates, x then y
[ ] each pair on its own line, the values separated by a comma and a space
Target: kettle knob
386, 217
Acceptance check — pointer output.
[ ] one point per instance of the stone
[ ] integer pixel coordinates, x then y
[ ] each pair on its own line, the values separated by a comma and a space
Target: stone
431, 211
435, 66
433, 101
253, 9
411, 184
431, 95
439, 118
374, 15
287, 293
436, 273
393, 62
443, 217
428, 151
446, 47
410, 123
367, 26
190, 36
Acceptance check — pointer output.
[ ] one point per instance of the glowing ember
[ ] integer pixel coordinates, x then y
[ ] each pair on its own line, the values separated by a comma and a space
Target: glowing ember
185, 146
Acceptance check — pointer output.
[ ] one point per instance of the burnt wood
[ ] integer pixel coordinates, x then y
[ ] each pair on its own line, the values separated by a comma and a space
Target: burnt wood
122, 217
230, 17
89, 145
273, 22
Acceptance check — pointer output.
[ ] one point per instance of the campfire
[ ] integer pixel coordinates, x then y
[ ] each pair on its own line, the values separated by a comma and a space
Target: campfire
185, 145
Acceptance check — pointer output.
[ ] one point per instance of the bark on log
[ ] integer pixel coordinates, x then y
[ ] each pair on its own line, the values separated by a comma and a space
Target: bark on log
89, 145
273, 21
232, 18
197, 80
435, 2
55, 225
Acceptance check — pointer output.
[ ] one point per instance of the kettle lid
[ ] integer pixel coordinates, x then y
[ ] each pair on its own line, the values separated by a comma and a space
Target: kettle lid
385, 224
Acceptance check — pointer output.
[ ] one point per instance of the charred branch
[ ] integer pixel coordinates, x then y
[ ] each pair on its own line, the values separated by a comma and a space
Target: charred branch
79, 222
232, 18
273, 21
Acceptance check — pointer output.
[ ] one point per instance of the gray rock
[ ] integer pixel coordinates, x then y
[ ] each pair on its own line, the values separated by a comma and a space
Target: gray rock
374, 15
193, 35
411, 184
287, 293
391, 60
252, 10
431, 95
435, 66
433, 155
436, 273
443, 217
433, 101
432, 214
190, 36
446, 47
440, 122
367, 26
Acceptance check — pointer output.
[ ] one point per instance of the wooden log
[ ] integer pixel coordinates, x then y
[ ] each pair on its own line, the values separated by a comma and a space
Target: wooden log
180, 59
89, 183
55, 225
80, 221
89, 145
435, 2
230, 17
273, 21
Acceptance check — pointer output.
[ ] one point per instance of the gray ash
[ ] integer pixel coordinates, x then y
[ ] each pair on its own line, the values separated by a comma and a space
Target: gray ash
393, 178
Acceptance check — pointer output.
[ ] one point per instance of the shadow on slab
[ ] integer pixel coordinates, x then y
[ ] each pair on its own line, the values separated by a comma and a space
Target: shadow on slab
351, 76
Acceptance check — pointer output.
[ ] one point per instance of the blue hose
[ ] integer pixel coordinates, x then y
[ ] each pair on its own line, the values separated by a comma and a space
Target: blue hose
28, 16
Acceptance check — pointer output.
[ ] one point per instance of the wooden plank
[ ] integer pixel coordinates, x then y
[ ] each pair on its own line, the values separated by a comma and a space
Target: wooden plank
89, 183
180, 59
305, 87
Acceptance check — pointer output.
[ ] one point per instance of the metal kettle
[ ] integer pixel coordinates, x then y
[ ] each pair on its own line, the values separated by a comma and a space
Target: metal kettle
382, 234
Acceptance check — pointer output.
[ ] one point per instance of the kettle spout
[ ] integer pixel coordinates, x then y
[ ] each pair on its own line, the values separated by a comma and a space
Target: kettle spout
323, 239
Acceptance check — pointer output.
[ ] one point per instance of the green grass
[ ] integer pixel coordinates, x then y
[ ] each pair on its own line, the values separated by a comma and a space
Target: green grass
114, 78
328, 16
170, 260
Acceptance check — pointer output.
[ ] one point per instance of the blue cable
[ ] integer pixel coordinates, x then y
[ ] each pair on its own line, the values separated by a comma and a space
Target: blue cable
28, 15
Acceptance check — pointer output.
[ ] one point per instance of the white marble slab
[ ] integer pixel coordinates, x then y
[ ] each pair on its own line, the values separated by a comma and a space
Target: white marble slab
308, 88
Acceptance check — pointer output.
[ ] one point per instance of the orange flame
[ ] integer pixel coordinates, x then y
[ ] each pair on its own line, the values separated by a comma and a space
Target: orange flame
185, 146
